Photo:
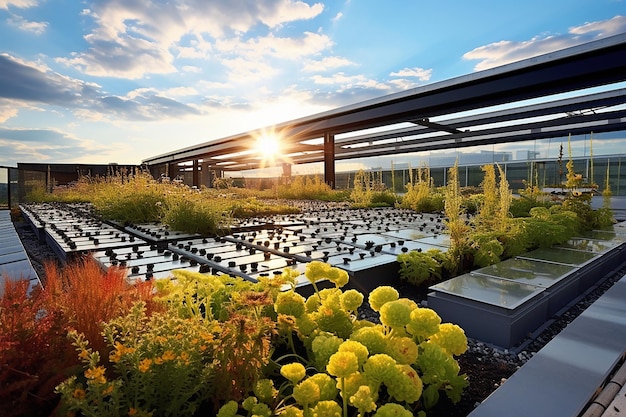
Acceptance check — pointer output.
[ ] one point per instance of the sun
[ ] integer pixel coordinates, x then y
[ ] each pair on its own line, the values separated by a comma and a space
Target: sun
268, 146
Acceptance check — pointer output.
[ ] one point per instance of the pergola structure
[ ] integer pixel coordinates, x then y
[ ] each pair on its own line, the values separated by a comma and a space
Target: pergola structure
430, 115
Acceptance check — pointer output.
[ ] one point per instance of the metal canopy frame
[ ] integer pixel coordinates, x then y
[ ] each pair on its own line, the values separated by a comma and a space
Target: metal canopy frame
430, 110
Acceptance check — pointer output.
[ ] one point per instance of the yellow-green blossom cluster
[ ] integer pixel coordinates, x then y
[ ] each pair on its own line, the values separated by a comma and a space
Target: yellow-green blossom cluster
362, 361
337, 364
317, 271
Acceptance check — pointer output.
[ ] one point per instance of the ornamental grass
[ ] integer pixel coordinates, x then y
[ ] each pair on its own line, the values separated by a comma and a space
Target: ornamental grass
35, 353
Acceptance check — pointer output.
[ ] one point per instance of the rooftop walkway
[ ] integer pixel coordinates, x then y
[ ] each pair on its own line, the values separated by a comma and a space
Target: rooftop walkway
564, 377
14, 262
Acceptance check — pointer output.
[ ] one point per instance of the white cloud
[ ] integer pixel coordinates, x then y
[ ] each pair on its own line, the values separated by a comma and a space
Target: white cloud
244, 71
337, 17
170, 92
134, 37
20, 4
289, 11
276, 47
210, 85
126, 58
326, 64
401, 84
45, 144
419, 73
196, 50
192, 69
602, 28
504, 52
30, 84
8, 109
35, 27
347, 82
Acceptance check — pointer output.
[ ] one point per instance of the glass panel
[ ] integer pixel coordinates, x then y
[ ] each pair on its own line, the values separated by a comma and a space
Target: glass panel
406, 234
589, 245
489, 290
604, 235
560, 255
526, 271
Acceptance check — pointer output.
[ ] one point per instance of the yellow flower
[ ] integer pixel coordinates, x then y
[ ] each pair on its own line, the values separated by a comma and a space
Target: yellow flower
306, 392
158, 361
294, 372
84, 354
107, 390
115, 356
343, 364
96, 374
168, 355
144, 365
184, 357
207, 337
79, 394
132, 411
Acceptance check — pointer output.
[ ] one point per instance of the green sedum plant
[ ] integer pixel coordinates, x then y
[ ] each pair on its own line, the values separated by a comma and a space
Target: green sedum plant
355, 367
419, 268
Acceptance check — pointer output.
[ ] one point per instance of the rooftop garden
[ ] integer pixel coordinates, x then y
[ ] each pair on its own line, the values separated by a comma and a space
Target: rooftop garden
91, 344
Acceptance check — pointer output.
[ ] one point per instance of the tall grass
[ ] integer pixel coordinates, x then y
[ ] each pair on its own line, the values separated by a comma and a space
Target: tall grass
308, 188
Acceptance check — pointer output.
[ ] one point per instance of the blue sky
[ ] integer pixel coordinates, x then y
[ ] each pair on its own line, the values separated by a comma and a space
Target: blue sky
123, 80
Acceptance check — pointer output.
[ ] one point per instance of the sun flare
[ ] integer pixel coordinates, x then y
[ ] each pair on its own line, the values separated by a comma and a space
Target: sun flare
269, 149
268, 146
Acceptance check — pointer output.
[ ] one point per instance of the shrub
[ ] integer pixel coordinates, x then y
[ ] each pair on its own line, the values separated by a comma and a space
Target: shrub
421, 195
487, 249
520, 207
355, 366
419, 268
193, 212
382, 199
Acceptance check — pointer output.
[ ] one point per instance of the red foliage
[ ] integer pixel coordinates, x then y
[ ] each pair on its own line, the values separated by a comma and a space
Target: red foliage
89, 296
34, 351
35, 354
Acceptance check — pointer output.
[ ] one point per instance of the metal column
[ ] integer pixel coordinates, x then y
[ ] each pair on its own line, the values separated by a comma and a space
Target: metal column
329, 159
195, 174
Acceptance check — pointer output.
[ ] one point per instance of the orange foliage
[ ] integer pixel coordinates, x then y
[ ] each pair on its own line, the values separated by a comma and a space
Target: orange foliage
89, 296
35, 353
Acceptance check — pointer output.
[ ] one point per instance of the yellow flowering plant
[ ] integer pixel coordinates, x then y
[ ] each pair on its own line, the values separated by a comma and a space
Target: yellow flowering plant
158, 366
239, 348
354, 367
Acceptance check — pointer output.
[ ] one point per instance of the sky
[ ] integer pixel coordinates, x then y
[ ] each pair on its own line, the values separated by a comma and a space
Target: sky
104, 81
